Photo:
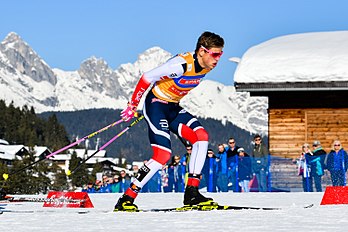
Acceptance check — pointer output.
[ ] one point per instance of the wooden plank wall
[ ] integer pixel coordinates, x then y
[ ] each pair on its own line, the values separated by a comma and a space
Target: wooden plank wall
290, 128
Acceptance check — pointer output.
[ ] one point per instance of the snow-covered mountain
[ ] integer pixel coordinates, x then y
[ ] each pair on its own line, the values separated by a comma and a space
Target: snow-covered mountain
26, 79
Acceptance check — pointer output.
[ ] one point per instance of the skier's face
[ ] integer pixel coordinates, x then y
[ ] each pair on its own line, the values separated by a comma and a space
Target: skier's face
208, 58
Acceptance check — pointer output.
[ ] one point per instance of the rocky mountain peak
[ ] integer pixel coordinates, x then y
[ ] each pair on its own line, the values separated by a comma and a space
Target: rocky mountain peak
12, 37
21, 57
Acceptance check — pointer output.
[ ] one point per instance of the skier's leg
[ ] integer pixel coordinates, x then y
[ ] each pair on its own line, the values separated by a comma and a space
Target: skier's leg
188, 127
160, 142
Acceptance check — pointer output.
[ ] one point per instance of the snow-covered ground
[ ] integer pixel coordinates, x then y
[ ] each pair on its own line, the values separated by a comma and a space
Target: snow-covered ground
292, 217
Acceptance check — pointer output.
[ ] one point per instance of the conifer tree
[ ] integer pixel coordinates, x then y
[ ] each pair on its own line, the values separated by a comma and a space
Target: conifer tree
80, 177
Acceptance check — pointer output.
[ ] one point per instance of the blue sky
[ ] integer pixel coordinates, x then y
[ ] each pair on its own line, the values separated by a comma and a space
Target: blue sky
66, 32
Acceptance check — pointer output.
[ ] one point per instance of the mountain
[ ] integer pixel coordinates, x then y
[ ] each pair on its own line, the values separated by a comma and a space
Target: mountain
26, 79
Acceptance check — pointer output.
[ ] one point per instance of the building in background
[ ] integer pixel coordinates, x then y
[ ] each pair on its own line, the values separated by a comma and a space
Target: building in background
305, 77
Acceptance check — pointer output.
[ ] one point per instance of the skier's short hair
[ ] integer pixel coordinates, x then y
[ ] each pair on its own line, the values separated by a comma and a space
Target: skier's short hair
209, 40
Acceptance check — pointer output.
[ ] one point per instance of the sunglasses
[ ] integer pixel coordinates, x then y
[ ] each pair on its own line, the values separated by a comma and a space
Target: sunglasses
337, 145
257, 139
232, 142
215, 55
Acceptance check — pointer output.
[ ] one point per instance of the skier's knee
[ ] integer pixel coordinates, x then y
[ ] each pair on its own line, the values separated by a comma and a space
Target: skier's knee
161, 154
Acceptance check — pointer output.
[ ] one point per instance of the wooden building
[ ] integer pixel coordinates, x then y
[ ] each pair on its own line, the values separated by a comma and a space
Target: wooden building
303, 112
305, 77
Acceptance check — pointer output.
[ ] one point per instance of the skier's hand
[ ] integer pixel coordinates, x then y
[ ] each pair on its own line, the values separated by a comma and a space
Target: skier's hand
128, 113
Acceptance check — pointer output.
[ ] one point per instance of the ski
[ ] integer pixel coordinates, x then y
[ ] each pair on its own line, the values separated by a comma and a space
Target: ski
214, 207
177, 209
208, 208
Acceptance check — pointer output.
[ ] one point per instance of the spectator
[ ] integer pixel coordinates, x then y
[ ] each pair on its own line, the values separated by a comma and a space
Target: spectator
154, 184
90, 188
116, 186
175, 175
316, 164
337, 163
303, 169
232, 158
209, 172
105, 186
164, 178
125, 180
222, 169
135, 171
98, 185
244, 170
260, 163
185, 159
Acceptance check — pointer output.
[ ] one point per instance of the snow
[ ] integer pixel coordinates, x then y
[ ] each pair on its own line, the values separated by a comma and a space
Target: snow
319, 56
292, 216
214, 100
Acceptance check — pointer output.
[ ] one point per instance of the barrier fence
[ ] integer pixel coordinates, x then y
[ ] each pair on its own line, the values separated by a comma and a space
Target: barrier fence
269, 174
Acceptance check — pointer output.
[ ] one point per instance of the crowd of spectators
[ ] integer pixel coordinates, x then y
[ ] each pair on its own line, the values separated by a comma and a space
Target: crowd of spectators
230, 168
312, 164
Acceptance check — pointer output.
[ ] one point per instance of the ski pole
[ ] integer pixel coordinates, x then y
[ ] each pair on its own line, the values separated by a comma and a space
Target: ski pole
5, 175
68, 172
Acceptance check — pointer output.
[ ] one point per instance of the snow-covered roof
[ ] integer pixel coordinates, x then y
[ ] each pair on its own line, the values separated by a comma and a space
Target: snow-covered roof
81, 152
9, 152
3, 142
309, 57
39, 150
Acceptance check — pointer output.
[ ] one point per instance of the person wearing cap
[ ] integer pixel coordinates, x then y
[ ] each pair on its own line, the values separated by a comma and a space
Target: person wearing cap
244, 170
260, 163
316, 165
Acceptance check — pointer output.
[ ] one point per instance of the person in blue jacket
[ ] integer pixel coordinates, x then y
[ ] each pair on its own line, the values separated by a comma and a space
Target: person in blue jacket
222, 169
209, 172
175, 175
244, 170
315, 162
336, 163
90, 188
232, 159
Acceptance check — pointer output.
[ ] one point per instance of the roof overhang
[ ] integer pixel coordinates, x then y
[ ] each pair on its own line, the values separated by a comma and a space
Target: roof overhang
292, 86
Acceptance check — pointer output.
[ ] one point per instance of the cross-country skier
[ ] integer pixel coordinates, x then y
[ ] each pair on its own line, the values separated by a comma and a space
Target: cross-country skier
171, 82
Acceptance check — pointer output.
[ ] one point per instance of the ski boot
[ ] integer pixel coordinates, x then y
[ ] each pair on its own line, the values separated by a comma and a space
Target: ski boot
125, 203
193, 199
